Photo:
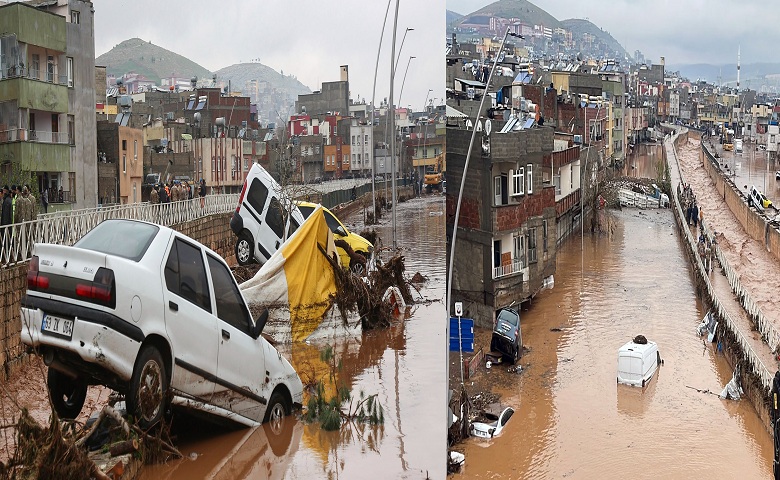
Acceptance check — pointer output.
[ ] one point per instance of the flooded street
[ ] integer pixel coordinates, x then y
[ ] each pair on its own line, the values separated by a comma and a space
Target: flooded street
571, 418
400, 364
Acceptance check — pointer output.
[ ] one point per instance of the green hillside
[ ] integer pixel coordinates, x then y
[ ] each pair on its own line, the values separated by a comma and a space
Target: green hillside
578, 27
149, 60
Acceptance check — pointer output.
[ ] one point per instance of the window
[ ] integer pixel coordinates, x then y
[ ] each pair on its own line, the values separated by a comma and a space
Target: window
185, 274
231, 308
544, 235
135, 150
124, 145
70, 71
50, 69
531, 245
518, 245
124, 163
275, 216
500, 190
71, 129
353, 139
35, 67
518, 181
365, 139
75, 17
530, 179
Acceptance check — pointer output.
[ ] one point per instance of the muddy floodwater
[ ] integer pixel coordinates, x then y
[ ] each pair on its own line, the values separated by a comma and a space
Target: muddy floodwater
403, 365
571, 418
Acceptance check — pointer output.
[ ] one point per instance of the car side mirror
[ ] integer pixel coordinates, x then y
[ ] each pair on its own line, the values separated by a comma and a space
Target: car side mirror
259, 325
341, 231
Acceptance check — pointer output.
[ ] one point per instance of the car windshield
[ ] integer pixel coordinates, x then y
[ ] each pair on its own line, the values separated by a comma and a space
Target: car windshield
122, 238
305, 210
508, 316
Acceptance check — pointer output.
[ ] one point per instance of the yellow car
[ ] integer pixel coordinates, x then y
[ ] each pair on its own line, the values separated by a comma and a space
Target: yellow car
728, 147
359, 244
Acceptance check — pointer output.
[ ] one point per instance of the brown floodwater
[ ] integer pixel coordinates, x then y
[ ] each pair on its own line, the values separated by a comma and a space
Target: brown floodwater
403, 365
571, 418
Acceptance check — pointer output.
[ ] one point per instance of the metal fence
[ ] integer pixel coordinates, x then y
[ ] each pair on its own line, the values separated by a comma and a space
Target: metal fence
65, 228
756, 364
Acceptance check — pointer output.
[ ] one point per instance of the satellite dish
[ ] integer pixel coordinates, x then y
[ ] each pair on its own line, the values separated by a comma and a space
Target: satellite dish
469, 124
488, 126
479, 126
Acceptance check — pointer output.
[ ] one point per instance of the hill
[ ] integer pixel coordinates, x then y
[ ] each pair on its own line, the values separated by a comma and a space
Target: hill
524, 10
578, 27
453, 17
752, 75
242, 73
149, 60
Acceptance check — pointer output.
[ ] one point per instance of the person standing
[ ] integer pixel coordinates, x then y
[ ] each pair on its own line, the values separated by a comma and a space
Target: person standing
23, 206
154, 197
202, 193
45, 200
6, 218
31, 197
163, 194
14, 212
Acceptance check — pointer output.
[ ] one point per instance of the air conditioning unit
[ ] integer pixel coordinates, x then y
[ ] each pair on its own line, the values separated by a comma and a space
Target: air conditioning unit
578, 139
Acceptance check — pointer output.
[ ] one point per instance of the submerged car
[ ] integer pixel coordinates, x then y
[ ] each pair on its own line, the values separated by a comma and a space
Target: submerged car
507, 338
155, 315
638, 361
758, 199
358, 244
494, 427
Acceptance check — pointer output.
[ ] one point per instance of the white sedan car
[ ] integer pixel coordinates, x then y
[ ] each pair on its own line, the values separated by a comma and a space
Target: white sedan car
153, 314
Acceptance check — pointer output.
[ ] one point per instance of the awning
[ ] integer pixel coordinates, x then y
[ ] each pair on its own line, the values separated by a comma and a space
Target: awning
453, 113
470, 83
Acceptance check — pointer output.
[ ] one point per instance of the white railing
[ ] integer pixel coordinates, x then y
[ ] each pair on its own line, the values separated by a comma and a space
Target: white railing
65, 228
629, 198
504, 270
24, 134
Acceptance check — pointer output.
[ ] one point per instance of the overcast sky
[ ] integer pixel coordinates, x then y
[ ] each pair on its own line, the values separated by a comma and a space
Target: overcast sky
309, 39
683, 31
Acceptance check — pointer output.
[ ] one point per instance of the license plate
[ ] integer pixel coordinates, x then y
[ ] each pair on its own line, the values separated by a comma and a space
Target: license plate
57, 326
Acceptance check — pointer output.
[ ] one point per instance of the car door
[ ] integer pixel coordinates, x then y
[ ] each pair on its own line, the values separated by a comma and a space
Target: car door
241, 375
191, 327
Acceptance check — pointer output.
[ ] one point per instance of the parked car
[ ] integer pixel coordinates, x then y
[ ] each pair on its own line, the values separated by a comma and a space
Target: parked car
507, 338
359, 244
155, 315
758, 199
261, 221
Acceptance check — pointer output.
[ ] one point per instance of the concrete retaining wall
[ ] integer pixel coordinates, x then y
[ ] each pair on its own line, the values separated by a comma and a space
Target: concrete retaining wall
756, 225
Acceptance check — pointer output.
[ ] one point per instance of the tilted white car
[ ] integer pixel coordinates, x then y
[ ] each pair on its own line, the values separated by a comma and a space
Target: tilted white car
153, 314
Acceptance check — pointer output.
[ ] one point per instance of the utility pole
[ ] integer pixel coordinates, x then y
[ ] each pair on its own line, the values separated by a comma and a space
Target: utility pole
776, 424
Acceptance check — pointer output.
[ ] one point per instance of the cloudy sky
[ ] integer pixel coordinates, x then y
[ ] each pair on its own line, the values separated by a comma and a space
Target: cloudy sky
683, 31
307, 38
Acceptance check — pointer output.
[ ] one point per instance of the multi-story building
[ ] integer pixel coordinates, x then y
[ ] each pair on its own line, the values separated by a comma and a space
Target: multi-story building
361, 147
331, 99
506, 240
120, 163
47, 96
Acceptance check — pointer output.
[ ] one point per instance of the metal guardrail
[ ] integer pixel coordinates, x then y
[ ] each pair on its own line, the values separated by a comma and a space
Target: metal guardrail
64, 228
756, 363
639, 200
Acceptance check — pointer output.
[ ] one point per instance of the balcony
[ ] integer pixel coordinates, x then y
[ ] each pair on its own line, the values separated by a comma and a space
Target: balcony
506, 270
26, 135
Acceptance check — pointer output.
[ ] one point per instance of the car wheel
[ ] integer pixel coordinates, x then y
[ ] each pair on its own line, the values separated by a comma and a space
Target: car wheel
148, 392
358, 268
245, 250
277, 425
67, 395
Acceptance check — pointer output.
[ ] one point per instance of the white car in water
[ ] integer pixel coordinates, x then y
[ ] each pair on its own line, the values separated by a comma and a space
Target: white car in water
153, 314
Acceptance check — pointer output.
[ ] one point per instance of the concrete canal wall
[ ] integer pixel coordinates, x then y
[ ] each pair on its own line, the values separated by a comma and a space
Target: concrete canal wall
756, 225
755, 376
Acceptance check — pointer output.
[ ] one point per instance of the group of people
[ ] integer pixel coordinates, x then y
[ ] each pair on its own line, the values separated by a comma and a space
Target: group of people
693, 214
175, 191
18, 205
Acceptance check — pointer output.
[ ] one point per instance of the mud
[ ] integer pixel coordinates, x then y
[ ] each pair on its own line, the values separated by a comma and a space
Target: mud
401, 364
759, 271
571, 418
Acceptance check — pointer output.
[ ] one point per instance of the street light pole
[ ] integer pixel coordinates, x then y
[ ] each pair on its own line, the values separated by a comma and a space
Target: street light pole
450, 272
403, 82
373, 98
391, 112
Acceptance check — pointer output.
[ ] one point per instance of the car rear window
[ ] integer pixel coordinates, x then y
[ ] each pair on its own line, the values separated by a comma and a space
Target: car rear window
305, 210
121, 238
508, 316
